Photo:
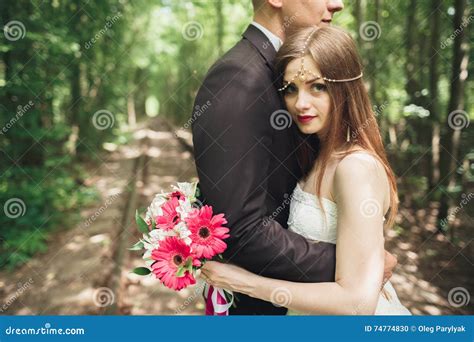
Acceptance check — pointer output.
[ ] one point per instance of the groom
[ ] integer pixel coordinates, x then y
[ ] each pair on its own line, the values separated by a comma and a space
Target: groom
246, 157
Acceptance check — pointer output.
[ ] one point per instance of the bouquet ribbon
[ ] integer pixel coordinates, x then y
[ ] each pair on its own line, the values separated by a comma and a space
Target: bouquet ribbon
216, 301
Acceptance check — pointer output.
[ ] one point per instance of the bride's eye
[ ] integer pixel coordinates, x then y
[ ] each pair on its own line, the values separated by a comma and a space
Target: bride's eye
290, 89
318, 87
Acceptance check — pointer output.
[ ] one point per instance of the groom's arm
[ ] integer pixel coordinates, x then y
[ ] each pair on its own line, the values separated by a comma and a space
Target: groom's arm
232, 139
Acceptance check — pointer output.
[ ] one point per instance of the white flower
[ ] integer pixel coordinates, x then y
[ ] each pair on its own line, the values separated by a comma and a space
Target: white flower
188, 189
184, 208
151, 242
157, 235
154, 209
182, 231
147, 257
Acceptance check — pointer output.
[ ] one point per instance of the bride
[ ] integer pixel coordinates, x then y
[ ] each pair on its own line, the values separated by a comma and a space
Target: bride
348, 190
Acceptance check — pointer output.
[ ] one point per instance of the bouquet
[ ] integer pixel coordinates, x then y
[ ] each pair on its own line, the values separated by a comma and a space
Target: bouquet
179, 235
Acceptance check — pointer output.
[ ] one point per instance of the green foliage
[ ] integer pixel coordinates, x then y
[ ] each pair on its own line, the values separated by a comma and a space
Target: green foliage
50, 198
77, 58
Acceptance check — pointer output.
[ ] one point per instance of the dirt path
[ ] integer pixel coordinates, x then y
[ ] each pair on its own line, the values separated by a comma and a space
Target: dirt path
87, 268
435, 276
167, 162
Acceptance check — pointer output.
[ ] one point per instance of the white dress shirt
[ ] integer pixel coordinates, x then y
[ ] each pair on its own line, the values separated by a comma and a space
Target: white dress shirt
273, 38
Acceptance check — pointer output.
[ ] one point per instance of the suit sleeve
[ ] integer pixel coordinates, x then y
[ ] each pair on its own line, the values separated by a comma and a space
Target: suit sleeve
232, 138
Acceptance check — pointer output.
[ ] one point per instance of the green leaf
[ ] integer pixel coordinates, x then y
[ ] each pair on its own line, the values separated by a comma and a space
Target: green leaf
141, 271
189, 265
142, 226
180, 272
136, 247
197, 193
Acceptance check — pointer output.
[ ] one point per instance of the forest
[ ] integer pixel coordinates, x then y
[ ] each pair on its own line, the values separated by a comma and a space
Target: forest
80, 80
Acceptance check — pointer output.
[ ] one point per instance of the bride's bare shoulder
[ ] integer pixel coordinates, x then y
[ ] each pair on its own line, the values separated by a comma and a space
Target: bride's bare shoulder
359, 161
360, 170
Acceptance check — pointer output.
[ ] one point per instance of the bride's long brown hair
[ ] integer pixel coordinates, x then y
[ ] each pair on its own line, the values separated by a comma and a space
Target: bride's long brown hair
336, 56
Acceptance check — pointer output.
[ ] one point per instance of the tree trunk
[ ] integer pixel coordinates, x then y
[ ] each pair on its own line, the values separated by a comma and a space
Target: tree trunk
451, 139
411, 85
75, 108
140, 91
27, 152
132, 116
220, 27
434, 93
74, 115
359, 19
373, 54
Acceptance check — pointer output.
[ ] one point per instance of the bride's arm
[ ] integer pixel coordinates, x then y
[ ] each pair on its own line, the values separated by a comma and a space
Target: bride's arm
360, 189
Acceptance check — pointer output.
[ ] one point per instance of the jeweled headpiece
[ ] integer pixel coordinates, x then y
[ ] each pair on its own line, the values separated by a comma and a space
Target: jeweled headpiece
303, 71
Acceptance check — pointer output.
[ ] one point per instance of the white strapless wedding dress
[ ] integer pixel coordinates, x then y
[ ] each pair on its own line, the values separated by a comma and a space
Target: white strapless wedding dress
307, 219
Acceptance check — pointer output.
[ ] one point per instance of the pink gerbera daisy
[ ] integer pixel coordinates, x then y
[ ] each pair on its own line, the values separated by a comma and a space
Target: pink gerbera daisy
170, 217
207, 232
173, 254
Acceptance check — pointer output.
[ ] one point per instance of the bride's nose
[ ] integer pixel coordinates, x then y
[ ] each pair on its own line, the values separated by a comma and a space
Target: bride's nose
302, 102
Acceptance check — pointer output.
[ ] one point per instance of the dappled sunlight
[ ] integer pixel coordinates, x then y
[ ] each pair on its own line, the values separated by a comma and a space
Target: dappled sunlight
100, 239
77, 243
153, 135
154, 152
97, 118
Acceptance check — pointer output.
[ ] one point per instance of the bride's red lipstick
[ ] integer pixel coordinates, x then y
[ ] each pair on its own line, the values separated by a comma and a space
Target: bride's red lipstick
305, 118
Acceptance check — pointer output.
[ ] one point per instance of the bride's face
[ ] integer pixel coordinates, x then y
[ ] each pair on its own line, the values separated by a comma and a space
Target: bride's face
307, 99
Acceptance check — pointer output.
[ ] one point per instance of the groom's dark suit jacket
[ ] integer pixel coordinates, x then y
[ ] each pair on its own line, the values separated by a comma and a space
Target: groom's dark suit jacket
247, 167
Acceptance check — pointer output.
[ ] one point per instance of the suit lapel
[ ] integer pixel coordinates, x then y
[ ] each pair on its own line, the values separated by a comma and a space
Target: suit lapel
258, 39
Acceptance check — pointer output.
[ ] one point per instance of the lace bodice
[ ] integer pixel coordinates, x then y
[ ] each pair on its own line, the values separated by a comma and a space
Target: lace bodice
309, 220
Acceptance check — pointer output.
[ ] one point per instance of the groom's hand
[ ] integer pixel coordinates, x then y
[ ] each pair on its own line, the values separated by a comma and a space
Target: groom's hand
389, 265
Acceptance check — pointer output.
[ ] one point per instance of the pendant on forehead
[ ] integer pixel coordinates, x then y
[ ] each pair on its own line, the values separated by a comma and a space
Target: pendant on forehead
302, 75
302, 72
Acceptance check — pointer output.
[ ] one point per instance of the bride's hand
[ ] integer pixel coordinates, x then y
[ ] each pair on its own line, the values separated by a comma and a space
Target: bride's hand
227, 276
